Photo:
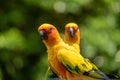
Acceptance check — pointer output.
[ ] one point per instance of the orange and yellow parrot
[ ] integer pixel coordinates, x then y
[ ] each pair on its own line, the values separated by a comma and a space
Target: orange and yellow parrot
72, 37
64, 59
52, 40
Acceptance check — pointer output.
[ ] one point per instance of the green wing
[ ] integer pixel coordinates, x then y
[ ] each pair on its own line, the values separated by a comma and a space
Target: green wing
93, 65
75, 63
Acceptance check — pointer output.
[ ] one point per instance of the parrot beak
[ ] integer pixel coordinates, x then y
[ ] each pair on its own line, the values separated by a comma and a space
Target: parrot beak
43, 34
71, 32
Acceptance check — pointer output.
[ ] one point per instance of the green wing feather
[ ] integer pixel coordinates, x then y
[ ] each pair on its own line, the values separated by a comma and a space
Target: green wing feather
75, 63
93, 65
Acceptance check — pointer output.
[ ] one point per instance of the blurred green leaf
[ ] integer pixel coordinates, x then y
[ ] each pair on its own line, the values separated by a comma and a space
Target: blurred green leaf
12, 39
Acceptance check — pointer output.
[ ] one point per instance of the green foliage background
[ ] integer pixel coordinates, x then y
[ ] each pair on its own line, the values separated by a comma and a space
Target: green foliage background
23, 55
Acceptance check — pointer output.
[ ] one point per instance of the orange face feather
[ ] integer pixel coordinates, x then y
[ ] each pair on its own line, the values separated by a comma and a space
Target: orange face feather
49, 34
72, 34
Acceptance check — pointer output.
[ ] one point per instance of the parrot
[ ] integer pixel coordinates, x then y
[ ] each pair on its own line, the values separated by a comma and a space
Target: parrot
72, 37
64, 60
52, 40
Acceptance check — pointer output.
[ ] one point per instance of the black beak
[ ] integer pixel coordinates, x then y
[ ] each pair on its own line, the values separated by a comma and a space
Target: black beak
71, 32
43, 34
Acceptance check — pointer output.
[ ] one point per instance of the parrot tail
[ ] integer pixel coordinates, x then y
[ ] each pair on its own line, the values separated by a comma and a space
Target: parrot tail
96, 74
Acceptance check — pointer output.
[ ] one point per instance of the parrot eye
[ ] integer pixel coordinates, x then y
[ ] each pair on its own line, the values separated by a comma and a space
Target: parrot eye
50, 29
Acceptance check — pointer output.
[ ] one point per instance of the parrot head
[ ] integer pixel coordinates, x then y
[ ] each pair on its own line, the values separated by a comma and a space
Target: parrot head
49, 34
72, 34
